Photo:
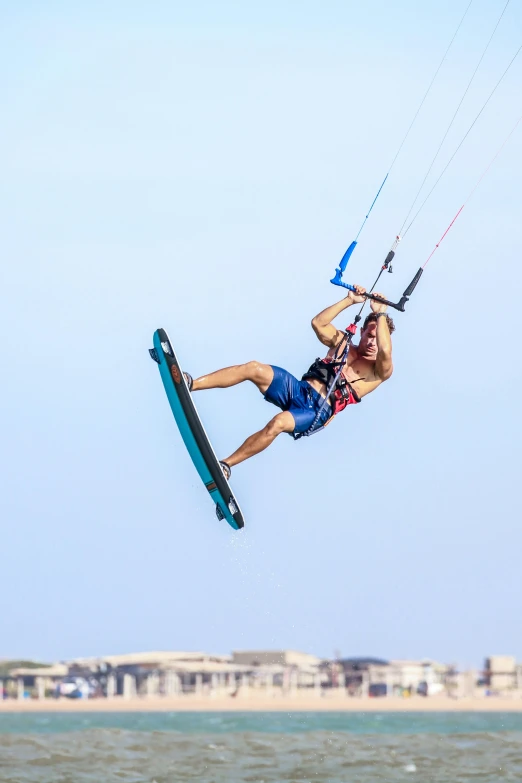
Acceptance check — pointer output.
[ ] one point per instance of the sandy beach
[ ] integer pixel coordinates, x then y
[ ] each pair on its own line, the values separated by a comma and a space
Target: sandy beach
227, 704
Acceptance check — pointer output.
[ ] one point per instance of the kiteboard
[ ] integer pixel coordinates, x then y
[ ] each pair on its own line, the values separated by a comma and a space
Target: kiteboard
192, 431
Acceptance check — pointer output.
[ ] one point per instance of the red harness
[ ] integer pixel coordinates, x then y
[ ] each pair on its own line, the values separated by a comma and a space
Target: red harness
344, 397
328, 371
344, 394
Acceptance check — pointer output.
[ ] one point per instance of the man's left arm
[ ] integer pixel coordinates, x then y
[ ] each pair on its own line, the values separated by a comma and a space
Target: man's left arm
383, 363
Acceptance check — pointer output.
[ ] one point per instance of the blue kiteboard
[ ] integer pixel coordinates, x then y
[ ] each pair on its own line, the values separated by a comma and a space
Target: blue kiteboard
192, 431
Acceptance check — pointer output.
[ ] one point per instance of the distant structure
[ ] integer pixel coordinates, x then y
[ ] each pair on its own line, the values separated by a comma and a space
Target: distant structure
254, 658
378, 677
254, 674
501, 673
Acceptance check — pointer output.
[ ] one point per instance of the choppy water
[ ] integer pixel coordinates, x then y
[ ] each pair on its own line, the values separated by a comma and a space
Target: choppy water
260, 748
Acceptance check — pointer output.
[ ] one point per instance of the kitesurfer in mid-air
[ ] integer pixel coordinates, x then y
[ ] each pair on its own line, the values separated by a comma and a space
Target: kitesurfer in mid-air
365, 367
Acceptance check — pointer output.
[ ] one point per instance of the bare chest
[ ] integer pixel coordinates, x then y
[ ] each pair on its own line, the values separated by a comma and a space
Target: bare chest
360, 373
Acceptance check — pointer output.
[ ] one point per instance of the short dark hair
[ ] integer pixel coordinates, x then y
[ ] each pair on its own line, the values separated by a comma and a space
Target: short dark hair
373, 317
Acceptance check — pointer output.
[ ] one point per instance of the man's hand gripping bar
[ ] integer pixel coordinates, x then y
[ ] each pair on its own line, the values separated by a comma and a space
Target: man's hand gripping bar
400, 305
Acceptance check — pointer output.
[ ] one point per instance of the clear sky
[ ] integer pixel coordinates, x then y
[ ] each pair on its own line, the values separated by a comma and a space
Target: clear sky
202, 167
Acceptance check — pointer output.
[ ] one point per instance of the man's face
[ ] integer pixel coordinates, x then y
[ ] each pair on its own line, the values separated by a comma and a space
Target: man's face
368, 343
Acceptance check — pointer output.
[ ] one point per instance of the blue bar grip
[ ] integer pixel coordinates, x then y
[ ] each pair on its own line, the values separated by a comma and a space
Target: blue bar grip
347, 256
336, 280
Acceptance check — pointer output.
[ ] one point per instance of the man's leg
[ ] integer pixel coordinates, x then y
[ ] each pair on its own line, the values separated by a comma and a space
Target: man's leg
283, 422
260, 374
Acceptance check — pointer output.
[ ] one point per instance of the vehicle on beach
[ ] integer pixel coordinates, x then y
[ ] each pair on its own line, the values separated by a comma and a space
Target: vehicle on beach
75, 688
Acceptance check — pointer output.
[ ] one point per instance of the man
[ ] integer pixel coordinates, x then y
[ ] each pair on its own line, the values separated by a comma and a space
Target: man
303, 403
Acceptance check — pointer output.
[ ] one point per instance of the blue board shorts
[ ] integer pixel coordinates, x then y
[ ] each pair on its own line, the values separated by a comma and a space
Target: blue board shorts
298, 398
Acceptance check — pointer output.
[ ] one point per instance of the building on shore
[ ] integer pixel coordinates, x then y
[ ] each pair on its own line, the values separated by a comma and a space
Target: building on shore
254, 673
378, 677
256, 658
501, 673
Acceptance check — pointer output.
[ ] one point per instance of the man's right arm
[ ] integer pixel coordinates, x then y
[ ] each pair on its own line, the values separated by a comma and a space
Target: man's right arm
322, 324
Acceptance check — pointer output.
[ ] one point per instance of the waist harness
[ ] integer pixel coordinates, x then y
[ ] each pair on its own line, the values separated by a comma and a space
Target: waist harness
339, 393
342, 393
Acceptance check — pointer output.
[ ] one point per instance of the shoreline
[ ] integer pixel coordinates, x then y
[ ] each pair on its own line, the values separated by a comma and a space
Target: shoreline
227, 704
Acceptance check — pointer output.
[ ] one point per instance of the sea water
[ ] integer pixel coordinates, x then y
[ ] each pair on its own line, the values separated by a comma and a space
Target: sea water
260, 747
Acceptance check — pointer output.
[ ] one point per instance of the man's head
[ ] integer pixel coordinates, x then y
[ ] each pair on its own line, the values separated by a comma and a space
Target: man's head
367, 348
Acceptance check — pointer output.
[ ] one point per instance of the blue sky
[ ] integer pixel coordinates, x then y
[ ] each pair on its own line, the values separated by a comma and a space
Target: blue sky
203, 167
